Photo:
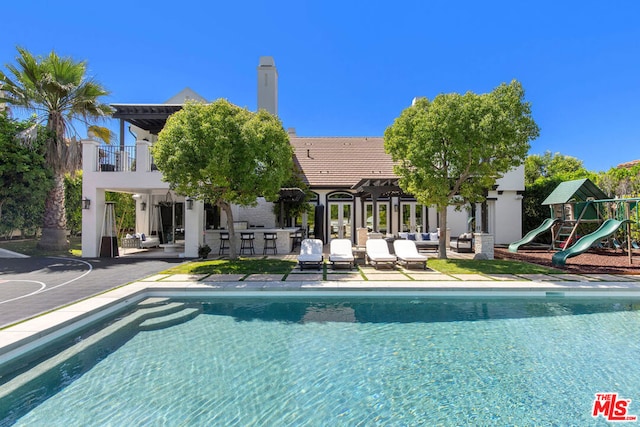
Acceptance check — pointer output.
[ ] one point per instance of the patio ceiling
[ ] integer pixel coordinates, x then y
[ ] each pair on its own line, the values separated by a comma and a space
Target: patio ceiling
150, 117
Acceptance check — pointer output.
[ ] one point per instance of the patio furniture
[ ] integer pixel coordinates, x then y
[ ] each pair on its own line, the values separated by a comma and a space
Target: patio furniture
224, 242
378, 253
407, 253
296, 239
340, 252
360, 254
246, 243
311, 254
423, 241
464, 243
270, 243
149, 242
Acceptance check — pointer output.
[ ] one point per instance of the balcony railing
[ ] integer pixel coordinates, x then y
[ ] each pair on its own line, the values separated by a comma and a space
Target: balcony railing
113, 158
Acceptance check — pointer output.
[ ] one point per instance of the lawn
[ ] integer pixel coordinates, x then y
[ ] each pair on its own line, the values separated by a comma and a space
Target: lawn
494, 266
30, 247
239, 266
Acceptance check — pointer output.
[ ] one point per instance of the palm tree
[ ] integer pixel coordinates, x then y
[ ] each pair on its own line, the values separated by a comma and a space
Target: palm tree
57, 90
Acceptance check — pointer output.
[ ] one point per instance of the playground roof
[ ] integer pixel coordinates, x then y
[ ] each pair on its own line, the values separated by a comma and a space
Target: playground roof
579, 190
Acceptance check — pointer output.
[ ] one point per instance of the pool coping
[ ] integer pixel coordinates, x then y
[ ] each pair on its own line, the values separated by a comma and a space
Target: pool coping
21, 338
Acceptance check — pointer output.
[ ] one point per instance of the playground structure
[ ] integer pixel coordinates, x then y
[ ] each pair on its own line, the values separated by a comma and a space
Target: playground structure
583, 217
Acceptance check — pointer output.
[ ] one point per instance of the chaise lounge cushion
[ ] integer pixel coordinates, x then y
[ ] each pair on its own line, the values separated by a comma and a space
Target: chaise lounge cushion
378, 252
407, 253
310, 253
341, 252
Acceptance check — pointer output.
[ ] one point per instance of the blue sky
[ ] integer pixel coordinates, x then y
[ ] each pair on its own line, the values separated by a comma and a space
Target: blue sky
348, 68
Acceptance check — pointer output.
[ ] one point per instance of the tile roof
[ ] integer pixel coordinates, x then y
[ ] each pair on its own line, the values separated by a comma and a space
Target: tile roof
341, 161
628, 165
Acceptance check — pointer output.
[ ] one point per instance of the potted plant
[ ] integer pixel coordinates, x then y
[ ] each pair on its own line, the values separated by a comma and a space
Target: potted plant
203, 251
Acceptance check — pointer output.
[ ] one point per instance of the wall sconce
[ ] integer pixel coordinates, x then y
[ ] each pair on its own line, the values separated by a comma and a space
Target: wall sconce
395, 208
189, 202
86, 203
143, 206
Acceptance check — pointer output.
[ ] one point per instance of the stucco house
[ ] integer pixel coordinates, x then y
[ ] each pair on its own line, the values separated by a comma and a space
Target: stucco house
352, 179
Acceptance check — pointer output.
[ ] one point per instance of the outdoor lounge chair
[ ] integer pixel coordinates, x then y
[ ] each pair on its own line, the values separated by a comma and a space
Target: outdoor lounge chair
311, 254
341, 252
378, 253
407, 253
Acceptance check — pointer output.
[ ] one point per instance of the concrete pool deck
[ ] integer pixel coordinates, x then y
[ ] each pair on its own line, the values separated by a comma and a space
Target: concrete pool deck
27, 335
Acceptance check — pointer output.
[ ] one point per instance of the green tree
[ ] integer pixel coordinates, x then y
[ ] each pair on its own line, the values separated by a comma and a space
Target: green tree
225, 155
451, 150
543, 173
557, 166
124, 211
296, 208
620, 181
57, 90
24, 177
73, 200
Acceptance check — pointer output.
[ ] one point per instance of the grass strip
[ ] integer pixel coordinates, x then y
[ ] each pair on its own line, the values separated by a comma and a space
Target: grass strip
494, 266
239, 266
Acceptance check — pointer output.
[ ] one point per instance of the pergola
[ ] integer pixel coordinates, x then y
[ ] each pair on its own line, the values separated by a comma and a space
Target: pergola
150, 117
289, 195
377, 188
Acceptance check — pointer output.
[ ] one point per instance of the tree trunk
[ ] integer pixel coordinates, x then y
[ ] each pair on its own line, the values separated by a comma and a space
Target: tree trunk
54, 230
442, 225
226, 207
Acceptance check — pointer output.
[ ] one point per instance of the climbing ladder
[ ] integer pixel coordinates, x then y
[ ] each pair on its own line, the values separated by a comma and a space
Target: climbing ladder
564, 233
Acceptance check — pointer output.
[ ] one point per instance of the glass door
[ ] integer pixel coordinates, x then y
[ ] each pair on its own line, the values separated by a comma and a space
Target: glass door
382, 216
340, 220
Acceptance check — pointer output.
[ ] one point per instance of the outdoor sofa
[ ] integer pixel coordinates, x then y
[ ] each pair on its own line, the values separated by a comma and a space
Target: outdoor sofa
423, 241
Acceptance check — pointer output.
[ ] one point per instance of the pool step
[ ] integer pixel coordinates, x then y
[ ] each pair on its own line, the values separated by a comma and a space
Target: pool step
170, 319
153, 302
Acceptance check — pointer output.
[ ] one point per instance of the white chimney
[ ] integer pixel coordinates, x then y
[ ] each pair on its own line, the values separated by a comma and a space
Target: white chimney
268, 85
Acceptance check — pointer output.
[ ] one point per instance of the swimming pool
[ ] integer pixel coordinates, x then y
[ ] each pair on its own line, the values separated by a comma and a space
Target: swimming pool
358, 362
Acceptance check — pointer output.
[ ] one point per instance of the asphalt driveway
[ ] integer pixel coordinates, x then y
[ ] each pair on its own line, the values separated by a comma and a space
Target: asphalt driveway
31, 286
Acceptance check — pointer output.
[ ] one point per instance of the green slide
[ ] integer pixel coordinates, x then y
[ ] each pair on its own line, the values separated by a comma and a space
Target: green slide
585, 242
546, 225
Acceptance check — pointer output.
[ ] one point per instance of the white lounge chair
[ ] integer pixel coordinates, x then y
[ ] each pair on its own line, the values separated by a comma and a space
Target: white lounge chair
407, 253
341, 252
311, 253
378, 253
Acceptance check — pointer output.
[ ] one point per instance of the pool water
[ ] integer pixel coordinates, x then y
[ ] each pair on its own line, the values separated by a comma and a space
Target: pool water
362, 362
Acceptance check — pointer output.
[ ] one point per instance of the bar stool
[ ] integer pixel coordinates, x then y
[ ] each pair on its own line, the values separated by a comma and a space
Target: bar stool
270, 243
246, 243
296, 239
224, 242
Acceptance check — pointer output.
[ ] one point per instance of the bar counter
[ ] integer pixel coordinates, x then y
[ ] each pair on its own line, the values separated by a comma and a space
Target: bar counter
283, 241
